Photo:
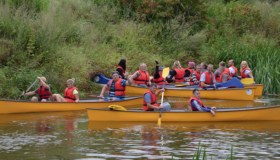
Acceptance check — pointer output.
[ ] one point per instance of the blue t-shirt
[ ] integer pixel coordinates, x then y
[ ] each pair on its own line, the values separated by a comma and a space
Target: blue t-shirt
112, 93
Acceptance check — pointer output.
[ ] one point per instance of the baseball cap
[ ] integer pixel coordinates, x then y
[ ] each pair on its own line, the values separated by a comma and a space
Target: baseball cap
192, 63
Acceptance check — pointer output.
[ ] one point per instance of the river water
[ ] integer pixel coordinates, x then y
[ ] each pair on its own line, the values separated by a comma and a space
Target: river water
69, 135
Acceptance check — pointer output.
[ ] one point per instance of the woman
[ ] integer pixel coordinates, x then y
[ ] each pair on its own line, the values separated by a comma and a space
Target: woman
157, 78
122, 69
142, 77
178, 72
245, 71
71, 93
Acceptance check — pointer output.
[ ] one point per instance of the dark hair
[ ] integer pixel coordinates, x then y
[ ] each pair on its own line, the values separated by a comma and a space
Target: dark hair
122, 64
204, 65
232, 61
153, 85
194, 90
223, 63
115, 72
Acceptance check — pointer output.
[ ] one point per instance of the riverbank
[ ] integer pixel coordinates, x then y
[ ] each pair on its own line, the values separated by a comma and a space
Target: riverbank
76, 39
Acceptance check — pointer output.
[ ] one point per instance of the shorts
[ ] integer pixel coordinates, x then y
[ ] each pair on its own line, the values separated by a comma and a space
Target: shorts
117, 99
47, 99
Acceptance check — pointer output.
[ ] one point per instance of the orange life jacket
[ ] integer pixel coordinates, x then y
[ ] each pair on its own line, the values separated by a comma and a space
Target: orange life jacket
236, 71
121, 69
143, 79
119, 89
43, 94
220, 78
226, 70
159, 81
197, 77
153, 101
190, 71
180, 73
244, 75
208, 80
199, 101
68, 94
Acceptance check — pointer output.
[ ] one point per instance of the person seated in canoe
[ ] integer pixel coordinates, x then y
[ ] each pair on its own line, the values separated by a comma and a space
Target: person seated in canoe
195, 77
116, 88
122, 69
232, 69
44, 91
203, 66
217, 72
157, 77
71, 93
245, 71
223, 75
150, 100
195, 104
207, 79
141, 77
189, 71
177, 74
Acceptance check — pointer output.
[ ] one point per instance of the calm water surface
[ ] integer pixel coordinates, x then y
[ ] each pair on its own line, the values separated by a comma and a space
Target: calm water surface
69, 135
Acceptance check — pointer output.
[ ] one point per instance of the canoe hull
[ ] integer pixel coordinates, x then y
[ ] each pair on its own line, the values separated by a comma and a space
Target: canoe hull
8, 106
226, 94
259, 89
265, 113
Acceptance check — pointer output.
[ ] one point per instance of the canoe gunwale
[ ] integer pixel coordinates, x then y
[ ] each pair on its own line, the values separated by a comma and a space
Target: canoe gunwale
182, 111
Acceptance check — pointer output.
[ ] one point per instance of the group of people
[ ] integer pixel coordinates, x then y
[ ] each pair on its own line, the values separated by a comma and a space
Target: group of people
201, 75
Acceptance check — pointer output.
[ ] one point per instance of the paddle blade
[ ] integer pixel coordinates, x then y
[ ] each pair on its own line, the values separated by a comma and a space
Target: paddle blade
247, 81
159, 122
165, 72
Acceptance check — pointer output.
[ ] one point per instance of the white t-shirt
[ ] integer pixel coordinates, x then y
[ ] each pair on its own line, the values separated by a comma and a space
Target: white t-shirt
247, 72
231, 70
203, 77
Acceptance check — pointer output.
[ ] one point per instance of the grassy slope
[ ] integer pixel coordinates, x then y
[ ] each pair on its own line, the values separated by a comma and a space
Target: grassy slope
76, 39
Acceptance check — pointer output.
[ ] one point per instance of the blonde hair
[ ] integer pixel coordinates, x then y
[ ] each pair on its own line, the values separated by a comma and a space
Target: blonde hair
142, 64
72, 81
245, 67
177, 65
44, 79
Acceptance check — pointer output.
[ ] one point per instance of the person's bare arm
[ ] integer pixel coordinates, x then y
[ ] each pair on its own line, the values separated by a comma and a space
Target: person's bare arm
149, 105
43, 83
29, 93
76, 97
129, 81
103, 91
162, 90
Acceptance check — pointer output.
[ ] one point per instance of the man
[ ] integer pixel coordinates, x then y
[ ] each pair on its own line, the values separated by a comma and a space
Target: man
190, 69
223, 75
44, 91
196, 104
157, 77
207, 78
232, 69
204, 67
150, 100
222, 64
195, 77
116, 87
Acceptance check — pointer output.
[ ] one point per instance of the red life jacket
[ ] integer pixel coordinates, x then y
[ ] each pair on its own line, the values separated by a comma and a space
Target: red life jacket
199, 101
244, 75
208, 79
68, 94
43, 94
159, 81
153, 101
220, 78
190, 71
143, 79
226, 70
121, 69
119, 89
197, 77
236, 71
180, 73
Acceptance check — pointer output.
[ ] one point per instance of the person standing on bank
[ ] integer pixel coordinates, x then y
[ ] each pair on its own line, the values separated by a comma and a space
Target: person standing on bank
122, 69
44, 91
116, 87
150, 100
196, 104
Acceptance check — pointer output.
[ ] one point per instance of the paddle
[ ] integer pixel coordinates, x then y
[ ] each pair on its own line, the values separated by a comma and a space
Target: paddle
247, 81
165, 73
181, 85
28, 88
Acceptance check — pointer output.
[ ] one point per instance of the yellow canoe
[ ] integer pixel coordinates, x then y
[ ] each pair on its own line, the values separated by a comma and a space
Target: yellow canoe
227, 94
259, 88
19, 106
226, 114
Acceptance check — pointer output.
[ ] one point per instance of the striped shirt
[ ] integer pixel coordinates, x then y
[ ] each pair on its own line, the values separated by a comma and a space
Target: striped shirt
112, 93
